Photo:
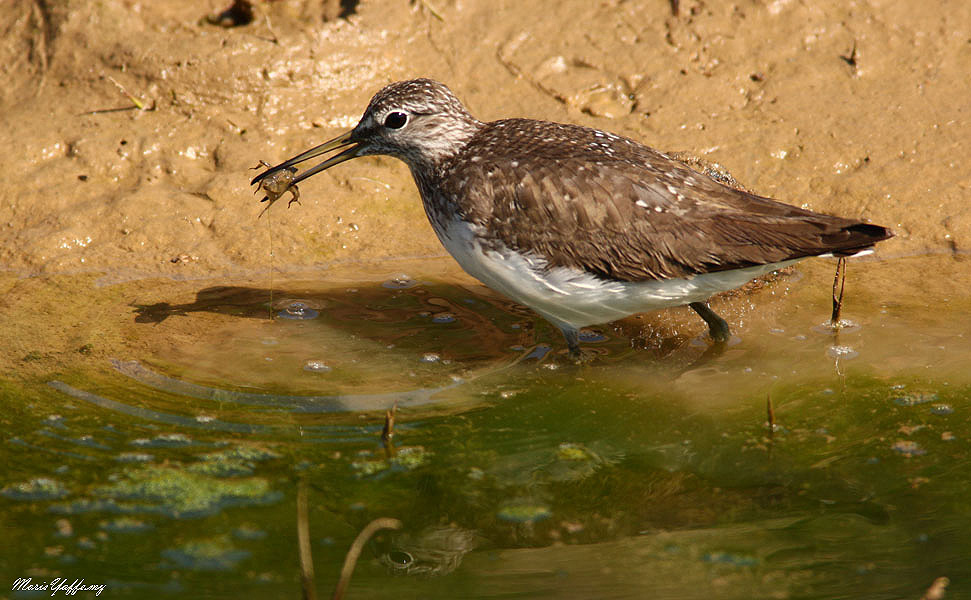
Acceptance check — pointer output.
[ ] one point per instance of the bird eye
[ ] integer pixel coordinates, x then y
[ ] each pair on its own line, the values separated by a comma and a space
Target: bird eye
400, 559
395, 120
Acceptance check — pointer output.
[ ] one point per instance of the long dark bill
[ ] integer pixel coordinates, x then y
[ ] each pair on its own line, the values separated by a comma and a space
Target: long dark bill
341, 141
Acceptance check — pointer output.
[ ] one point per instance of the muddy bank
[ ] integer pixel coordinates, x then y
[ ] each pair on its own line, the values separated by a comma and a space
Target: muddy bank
853, 108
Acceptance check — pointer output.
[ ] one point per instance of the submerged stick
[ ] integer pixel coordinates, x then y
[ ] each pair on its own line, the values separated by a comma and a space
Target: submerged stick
303, 543
770, 414
352, 555
937, 590
388, 431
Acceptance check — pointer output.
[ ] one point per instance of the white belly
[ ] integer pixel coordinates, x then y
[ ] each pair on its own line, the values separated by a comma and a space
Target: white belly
574, 298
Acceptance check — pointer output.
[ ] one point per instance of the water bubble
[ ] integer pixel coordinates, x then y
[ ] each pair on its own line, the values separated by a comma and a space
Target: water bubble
269, 341
914, 399
400, 282
443, 317
942, 409
316, 366
297, 311
843, 352
430, 357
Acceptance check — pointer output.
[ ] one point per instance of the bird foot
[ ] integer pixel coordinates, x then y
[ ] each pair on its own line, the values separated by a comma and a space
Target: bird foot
582, 356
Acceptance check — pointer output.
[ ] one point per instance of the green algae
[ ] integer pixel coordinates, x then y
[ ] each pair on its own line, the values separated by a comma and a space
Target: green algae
179, 492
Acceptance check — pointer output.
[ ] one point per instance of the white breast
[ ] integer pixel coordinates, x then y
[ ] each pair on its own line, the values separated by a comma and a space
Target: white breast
574, 298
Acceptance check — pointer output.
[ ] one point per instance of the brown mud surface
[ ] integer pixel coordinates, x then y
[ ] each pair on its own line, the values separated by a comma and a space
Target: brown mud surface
854, 108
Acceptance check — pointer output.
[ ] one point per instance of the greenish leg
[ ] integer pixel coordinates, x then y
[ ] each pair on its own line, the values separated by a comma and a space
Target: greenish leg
717, 326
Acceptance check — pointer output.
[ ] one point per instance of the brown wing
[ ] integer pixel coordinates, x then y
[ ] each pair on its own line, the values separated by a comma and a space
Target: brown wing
610, 206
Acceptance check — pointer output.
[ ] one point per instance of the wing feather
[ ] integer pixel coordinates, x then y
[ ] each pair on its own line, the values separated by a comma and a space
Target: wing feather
613, 207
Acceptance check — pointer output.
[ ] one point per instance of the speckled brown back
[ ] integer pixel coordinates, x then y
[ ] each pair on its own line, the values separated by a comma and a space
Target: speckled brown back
590, 200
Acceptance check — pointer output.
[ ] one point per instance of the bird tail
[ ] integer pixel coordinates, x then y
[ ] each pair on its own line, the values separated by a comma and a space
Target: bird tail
857, 239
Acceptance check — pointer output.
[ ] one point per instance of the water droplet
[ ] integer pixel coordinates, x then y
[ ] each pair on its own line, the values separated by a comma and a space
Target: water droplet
443, 317
316, 366
430, 357
297, 311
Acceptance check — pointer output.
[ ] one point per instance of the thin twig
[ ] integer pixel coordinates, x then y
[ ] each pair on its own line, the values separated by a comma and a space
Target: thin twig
303, 541
138, 103
432, 10
839, 282
352, 555
388, 431
770, 414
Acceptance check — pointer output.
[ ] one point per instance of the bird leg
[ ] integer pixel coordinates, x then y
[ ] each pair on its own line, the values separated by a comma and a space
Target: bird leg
572, 341
717, 326
577, 355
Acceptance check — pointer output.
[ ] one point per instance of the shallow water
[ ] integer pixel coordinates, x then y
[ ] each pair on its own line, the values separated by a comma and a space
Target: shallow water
155, 433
